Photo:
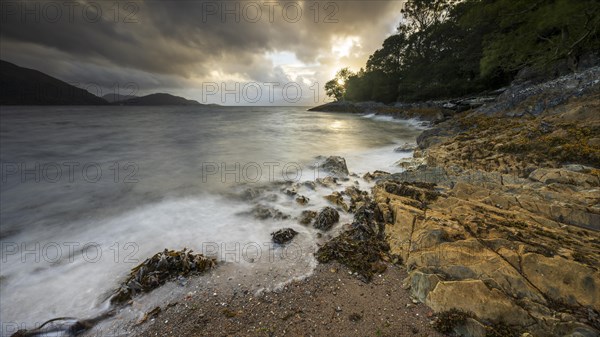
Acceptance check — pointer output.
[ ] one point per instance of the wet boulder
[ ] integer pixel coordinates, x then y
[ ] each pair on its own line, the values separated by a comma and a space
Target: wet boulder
377, 175
311, 185
329, 181
291, 191
307, 216
357, 197
302, 200
283, 236
353, 192
336, 166
262, 212
337, 199
406, 147
250, 193
326, 219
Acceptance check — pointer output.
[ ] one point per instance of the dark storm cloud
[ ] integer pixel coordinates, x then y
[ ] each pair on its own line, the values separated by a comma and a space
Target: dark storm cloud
168, 43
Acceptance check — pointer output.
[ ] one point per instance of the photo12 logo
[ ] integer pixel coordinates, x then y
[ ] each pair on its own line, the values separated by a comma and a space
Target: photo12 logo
69, 171
269, 11
30, 12
260, 93
59, 252
252, 252
254, 172
251, 172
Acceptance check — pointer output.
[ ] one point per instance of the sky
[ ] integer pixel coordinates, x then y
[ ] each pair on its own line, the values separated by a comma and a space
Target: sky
223, 52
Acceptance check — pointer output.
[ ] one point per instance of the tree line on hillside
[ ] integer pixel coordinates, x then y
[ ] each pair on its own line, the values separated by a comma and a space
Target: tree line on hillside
452, 48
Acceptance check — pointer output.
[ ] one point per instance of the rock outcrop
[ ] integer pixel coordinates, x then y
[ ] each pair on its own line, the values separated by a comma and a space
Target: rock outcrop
263, 212
534, 99
406, 147
336, 166
337, 199
326, 219
307, 216
283, 236
502, 221
476, 248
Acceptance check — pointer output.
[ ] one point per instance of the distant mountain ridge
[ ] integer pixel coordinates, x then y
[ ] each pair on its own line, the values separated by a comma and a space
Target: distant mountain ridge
24, 86
158, 99
114, 98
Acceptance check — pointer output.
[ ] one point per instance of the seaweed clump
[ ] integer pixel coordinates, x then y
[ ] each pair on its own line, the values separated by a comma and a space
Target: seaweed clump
326, 219
159, 269
283, 236
424, 193
501, 330
448, 320
363, 248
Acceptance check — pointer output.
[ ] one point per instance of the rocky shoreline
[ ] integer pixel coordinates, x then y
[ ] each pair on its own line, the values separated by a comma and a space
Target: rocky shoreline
492, 229
495, 222
523, 97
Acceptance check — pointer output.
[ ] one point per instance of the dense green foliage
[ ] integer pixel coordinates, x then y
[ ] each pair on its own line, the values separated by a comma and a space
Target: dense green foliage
335, 88
449, 48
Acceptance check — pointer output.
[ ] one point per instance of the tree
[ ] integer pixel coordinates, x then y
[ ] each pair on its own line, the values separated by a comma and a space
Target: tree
539, 34
390, 57
335, 88
450, 48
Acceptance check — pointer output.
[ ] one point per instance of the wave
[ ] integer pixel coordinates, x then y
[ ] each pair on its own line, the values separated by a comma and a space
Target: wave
412, 122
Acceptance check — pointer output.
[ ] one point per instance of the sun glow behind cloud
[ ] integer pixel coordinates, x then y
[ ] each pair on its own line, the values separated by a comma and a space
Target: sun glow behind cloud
345, 51
343, 46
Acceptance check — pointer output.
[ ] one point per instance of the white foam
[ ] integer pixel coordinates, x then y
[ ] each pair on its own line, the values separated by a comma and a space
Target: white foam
36, 290
39, 290
411, 122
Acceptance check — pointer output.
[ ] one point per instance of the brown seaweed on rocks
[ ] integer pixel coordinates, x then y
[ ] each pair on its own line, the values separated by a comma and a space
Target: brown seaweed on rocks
326, 218
158, 269
283, 236
145, 277
423, 192
363, 248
